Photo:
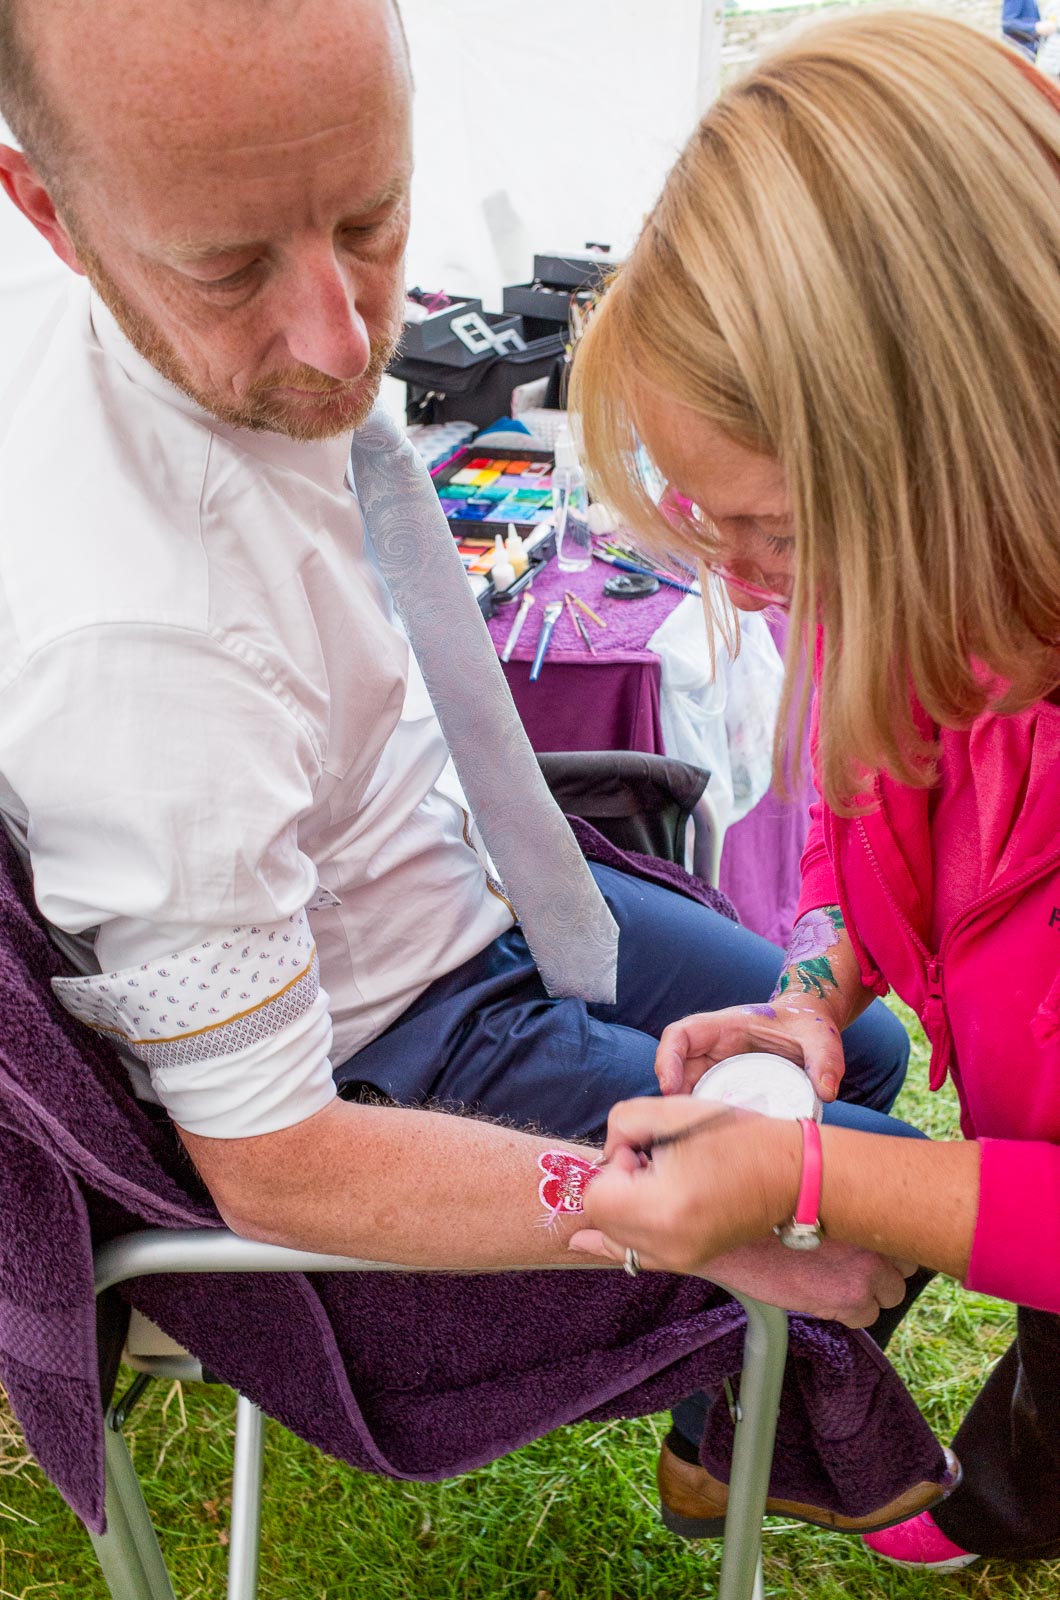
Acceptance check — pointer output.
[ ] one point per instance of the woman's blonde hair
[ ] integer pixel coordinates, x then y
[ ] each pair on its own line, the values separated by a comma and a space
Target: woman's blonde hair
854, 266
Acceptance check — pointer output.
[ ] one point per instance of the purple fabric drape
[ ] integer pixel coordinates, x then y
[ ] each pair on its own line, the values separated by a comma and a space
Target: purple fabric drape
611, 705
760, 861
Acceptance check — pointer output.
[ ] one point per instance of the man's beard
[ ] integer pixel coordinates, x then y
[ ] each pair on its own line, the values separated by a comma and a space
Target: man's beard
340, 408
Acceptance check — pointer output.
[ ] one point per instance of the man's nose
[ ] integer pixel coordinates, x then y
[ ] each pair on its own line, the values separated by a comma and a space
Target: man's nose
322, 324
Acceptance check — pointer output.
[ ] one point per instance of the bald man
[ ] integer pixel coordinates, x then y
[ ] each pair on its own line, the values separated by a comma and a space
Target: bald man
215, 750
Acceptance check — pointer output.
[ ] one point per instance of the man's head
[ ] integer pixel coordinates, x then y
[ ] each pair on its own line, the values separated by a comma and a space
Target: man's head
232, 176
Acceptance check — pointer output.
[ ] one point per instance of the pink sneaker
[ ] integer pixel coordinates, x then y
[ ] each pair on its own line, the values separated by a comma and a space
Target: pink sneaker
919, 1542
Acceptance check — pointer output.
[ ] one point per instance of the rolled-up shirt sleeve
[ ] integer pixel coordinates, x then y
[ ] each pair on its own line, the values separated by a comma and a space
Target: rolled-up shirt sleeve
235, 1032
162, 775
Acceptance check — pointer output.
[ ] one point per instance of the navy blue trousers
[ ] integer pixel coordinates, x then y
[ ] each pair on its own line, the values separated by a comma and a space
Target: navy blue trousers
488, 1039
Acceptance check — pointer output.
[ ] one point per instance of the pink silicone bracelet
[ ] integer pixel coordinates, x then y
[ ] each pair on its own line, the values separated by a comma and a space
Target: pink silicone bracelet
808, 1205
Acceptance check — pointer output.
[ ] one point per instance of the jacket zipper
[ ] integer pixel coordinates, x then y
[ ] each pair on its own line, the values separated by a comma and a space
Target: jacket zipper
936, 1018
871, 976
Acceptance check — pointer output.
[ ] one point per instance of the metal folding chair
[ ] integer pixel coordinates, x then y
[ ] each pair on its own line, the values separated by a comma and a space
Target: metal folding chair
129, 1552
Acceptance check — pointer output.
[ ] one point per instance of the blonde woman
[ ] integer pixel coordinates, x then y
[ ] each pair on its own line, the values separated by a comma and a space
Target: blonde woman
838, 337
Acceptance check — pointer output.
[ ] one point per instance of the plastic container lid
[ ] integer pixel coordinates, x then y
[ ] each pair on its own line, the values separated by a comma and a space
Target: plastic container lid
761, 1081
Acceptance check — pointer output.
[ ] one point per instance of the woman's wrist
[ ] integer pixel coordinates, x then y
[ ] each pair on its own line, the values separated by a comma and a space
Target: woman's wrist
779, 1162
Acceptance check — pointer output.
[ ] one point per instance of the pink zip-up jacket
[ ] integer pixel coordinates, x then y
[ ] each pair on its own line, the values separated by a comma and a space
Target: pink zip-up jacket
987, 986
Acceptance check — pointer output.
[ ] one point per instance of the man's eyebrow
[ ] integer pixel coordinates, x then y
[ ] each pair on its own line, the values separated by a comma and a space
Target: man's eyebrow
188, 251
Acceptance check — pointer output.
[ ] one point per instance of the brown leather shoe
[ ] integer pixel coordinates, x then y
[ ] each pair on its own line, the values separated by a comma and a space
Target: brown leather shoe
694, 1503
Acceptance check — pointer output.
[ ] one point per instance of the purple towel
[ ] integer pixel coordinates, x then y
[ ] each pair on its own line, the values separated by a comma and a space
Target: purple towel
409, 1375
667, 874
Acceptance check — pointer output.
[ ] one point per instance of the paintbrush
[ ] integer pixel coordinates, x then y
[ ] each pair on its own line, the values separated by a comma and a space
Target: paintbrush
568, 601
679, 1136
631, 566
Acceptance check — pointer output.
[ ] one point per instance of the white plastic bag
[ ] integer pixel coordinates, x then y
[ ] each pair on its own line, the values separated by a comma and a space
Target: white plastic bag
724, 722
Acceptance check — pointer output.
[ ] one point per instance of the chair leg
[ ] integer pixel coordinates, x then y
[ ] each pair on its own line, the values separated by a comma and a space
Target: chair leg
765, 1352
247, 1478
128, 1552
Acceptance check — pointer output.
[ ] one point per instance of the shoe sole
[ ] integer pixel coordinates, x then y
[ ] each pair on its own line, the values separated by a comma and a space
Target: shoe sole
692, 1527
954, 1564
714, 1527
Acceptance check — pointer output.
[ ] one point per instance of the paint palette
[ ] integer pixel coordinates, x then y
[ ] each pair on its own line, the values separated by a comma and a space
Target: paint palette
481, 491
495, 487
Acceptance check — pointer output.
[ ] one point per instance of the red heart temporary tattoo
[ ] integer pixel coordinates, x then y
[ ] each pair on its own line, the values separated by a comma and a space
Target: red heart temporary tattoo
562, 1189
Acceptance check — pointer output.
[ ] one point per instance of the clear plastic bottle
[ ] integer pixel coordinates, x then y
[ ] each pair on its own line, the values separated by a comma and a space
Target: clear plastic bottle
570, 501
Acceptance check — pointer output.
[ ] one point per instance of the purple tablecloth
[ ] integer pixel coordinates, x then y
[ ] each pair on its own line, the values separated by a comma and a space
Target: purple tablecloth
606, 701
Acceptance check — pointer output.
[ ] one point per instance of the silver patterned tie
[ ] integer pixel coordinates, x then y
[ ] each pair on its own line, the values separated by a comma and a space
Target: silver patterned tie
572, 936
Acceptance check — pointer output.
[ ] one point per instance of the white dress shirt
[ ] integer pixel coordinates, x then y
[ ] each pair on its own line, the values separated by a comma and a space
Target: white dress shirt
214, 742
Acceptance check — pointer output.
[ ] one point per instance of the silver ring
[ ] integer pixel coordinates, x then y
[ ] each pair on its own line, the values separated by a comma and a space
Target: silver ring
632, 1262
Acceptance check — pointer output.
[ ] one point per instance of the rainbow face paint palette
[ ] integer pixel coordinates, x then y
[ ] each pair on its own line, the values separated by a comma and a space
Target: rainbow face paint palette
486, 490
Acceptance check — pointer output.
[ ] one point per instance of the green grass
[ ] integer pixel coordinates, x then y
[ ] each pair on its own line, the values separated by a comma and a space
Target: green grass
571, 1517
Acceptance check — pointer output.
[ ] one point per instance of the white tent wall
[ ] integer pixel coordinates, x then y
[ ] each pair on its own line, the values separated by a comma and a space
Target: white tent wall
541, 124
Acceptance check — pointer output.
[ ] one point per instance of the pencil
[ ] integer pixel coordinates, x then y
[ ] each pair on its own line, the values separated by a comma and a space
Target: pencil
589, 612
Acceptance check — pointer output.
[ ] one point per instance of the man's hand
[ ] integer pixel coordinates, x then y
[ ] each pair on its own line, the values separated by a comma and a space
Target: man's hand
837, 1283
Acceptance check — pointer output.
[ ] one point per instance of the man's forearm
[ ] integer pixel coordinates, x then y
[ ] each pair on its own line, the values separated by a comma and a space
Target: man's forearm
419, 1188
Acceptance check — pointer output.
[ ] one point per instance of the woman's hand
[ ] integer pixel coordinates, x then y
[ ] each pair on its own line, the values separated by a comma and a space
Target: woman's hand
799, 1026
712, 1185
818, 993
686, 1181
716, 1179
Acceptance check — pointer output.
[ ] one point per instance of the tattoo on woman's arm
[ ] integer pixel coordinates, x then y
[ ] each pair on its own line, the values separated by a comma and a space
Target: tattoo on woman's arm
807, 965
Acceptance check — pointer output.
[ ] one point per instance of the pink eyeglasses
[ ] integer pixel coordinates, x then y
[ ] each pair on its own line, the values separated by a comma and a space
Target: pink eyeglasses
679, 506
769, 597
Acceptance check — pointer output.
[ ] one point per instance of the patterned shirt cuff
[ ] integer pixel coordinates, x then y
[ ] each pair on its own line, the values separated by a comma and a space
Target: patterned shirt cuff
234, 1031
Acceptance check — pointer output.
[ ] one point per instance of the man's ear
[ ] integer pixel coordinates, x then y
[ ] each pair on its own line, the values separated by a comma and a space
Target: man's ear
26, 189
